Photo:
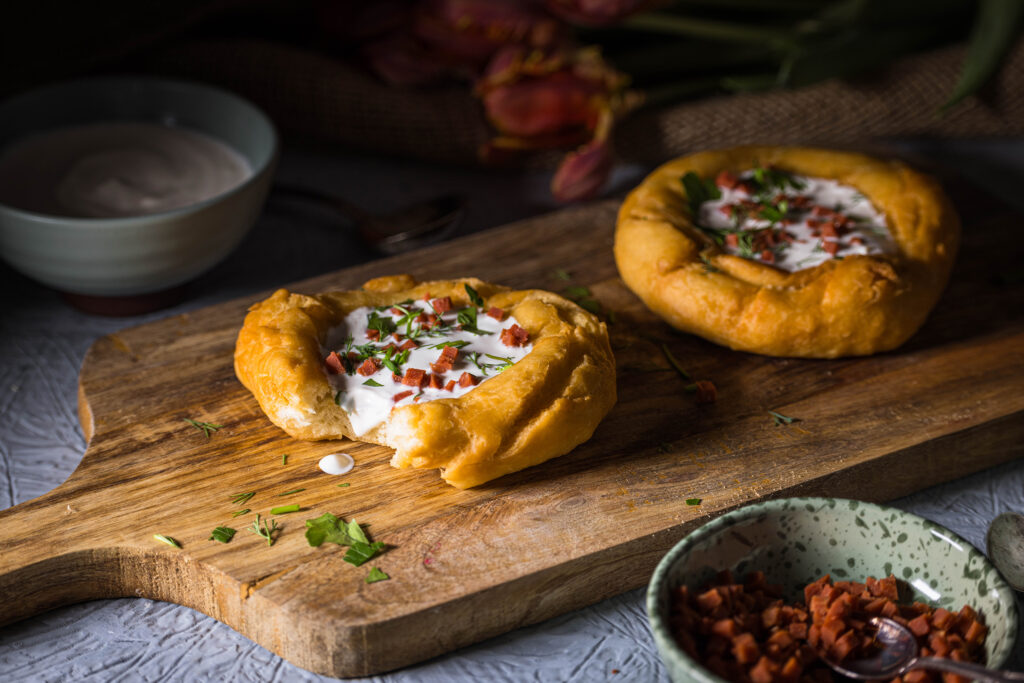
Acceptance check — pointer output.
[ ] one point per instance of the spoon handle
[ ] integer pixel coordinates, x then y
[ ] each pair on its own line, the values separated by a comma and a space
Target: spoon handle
974, 671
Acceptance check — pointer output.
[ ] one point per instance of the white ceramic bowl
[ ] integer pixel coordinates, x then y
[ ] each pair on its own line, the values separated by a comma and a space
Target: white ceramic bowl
138, 255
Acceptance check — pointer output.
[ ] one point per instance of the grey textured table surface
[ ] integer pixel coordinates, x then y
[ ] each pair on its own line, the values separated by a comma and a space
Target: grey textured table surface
43, 341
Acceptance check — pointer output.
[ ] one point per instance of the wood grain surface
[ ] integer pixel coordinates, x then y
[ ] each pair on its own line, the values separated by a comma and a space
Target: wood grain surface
467, 565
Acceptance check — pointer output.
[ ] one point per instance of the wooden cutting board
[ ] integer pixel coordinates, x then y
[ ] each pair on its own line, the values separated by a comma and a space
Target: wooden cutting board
467, 565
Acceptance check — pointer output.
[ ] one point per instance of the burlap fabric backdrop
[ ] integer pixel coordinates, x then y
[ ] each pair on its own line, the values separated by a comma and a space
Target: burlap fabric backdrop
317, 97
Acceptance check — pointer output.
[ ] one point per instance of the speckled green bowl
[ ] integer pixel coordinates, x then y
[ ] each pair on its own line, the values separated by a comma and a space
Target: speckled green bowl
796, 540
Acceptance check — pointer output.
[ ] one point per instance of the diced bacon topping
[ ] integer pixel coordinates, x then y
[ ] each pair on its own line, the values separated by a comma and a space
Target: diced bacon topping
373, 335
442, 305
467, 380
399, 396
334, 364
450, 385
496, 313
828, 229
396, 311
414, 377
369, 367
427, 297
409, 344
445, 361
514, 336
436, 382
397, 337
727, 179
421, 318
831, 247
768, 256
727, 209
396, 378
732, 240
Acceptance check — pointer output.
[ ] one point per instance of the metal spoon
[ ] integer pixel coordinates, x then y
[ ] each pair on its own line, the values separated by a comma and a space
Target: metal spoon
402, 230
1005, 542
898, 655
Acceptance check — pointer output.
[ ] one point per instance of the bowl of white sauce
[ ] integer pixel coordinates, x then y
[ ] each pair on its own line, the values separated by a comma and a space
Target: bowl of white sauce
129, 186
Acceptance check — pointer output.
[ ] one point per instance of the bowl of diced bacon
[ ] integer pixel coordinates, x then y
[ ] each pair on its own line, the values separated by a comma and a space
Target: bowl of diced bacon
760, 593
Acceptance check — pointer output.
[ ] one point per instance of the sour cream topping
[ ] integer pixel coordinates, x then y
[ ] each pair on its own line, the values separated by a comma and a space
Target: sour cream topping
792, 221
369, 398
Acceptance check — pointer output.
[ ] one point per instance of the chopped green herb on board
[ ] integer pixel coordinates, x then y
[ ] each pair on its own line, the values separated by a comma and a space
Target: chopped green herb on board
781, 419
264, 530
239, 513
284, 509
328, 528
288, 493
284, 458
167, 539
693, 501
562, 274
222, 534
242, 498
673, 362
206, 428
346, 484
375, 575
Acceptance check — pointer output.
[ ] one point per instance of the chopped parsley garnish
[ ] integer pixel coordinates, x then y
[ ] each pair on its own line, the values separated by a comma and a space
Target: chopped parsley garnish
284, 509
770, 179
474, 297
698, 191
264, 530
375, 575
206, 428
330, 529
467, 318
384, 325
372, 383
222, 534
337, 397
242, 498
167, 539
781, 419
693, 501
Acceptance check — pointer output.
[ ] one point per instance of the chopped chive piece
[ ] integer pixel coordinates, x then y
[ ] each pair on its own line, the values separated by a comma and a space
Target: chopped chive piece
284, 458
372, 383
562, 274
167, 539
693, 501
375, 575
243, 498
222, 534
205, 427
673, 362
781, 419
266, 530
341, 486
239, 513
294, 507
288, 493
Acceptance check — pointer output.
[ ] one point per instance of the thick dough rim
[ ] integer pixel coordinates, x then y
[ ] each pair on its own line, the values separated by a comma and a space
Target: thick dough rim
542, 407
855, 306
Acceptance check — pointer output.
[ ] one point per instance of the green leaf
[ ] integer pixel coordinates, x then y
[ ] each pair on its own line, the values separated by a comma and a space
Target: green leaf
325, 529
474, 296
167, 539
994, 31
693, 501
356, 533
360, 552
375, 575
222, 534
372, 383
699, 191
457, 344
